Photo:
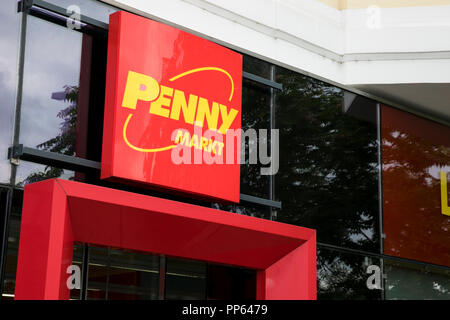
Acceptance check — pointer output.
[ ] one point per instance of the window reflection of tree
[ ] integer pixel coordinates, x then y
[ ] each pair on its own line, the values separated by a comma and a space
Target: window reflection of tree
409, 186
328, 180
255, 115
328, 177
343, 277
64, 142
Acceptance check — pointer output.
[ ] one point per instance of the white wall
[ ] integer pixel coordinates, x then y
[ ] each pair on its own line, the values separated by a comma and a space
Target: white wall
409, 45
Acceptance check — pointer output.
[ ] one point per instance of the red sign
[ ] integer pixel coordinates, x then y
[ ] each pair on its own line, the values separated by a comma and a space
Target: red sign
171, 100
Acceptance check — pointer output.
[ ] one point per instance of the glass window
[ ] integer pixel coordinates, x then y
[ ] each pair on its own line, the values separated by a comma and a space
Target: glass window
9, 44
253, 211
117, 274
245, 209
255, 116
123, 274
3, 214
257, 67
50, 94
328, 175
410, 281
416, 169
226, 283
344, 276
185, 279
13, 245
77, 261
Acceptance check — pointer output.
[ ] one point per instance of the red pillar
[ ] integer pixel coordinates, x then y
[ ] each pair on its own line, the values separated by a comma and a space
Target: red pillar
293, 277
46, 243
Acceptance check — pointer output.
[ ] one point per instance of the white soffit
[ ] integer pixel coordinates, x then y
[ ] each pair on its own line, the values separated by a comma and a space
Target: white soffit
308, 28
352, 47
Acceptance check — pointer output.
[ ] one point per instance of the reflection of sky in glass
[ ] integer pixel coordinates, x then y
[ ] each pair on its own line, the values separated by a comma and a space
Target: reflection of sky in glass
9, 35
27, 168
92, 9
52, 61
435, 171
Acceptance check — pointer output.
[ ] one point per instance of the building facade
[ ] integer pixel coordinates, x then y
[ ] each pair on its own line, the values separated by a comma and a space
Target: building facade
364, 138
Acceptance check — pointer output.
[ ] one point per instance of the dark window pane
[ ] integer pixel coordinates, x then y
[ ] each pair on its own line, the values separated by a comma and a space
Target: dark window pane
258, 67
9, 42
253, 211
416, 282
50, 92
125, 275
13, 245
185, 279
4, 195
226, 283
255, 116
344, 276
328, 175
246, 209
415, 154
97, 274
75, 294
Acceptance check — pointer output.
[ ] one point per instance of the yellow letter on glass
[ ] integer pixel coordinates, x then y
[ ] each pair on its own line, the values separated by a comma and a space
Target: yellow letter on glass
444, 197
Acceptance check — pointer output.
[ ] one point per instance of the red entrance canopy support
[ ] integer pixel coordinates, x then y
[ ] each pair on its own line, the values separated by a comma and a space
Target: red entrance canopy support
56, 213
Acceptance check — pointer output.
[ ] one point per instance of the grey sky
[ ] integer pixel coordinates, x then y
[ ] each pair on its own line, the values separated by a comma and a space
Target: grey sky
9, 34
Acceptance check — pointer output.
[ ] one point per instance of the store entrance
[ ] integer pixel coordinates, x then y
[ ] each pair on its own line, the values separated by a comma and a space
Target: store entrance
112, 274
